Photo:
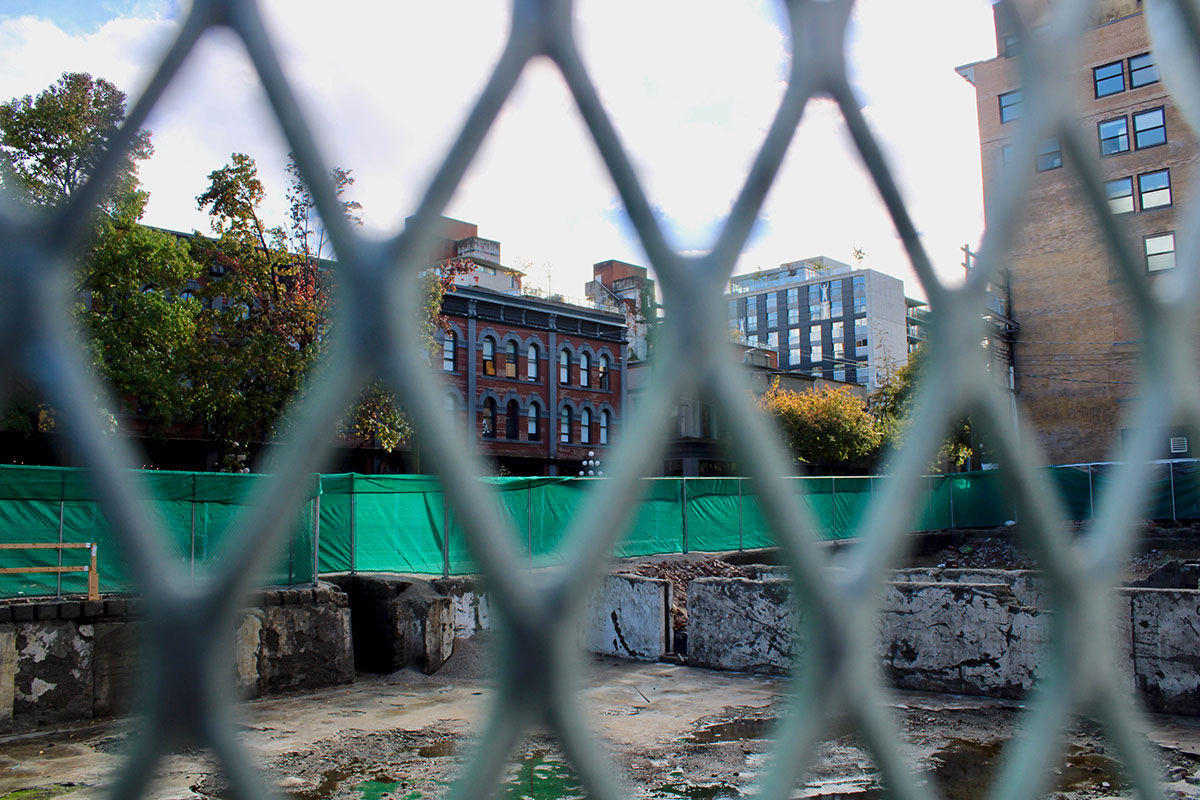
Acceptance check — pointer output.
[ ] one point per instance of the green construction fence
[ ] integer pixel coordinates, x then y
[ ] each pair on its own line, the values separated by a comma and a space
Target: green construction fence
403, 523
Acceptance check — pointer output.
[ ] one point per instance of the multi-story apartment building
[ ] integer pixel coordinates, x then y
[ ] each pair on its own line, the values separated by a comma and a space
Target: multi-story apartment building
827, 318
540, 382
1075, 355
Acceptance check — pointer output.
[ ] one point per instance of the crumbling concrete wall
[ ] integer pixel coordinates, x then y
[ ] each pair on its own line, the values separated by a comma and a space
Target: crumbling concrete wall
72, 660
1165, 626
470, 609
629, 616
741, 624
398, 622
1026, 584
966, 638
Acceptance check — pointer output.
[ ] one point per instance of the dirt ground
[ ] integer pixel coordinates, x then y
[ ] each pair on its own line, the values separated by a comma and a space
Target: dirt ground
674, 732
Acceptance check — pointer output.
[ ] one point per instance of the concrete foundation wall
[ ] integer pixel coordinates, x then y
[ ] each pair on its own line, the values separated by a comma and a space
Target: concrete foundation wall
629, 616
742, 624
968, 632
69, 661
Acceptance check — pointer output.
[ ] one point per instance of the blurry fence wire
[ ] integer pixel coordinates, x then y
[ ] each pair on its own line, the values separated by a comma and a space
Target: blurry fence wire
186, 688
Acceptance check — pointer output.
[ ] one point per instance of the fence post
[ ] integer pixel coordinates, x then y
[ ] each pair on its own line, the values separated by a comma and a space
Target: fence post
929, 522
739, 485
529, 520
61, 513
445, 535
1171, 472
192, 533
683, 483
1091, 501
353, 545
316, 503
951, 480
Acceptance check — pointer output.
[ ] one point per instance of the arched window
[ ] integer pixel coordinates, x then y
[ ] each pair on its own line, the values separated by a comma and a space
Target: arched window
585, 370
450, 351
512, 419
531, 365
564, 425
532, 433
604, 415
510, 361
564, 367
603, 370
585, 426
489, 418
489, 356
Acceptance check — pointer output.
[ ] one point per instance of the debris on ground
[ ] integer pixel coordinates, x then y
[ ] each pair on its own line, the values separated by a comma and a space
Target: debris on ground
681, 572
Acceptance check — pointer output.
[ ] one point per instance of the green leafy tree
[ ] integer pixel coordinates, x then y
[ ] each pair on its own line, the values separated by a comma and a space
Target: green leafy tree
143, 324
892, 405
829, 429
51, 144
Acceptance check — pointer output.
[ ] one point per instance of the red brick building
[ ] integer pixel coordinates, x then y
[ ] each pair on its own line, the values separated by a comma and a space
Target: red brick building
539, 381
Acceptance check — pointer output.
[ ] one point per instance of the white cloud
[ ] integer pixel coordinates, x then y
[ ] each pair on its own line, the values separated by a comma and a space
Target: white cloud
691, 86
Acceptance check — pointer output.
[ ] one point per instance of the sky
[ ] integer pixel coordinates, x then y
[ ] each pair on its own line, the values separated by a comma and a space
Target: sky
691, 86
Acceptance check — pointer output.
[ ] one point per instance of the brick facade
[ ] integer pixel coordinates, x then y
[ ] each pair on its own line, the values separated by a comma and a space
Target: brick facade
1076, 354
588, 337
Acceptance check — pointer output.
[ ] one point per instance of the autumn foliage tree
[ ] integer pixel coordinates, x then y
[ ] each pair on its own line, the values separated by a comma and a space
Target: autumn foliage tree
828, 429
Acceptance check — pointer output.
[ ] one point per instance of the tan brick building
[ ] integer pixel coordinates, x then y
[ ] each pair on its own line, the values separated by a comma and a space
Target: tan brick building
1076, 353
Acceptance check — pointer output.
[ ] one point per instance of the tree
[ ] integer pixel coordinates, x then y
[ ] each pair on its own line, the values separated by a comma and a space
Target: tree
828, 429
49, 146
892, 406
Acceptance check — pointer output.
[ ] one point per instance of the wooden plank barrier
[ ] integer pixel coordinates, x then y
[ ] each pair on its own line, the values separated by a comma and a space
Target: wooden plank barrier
92, 573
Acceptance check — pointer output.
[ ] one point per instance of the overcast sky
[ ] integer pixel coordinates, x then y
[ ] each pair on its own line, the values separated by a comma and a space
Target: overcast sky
690, 84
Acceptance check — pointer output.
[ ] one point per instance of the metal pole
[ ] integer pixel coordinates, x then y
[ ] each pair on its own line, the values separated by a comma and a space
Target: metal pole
316, 502
529, 521
1171, 472
739, 485
683, 483
929, 522
445, 535
61, 513
192, 532
353, 561
949, 478
1091, 500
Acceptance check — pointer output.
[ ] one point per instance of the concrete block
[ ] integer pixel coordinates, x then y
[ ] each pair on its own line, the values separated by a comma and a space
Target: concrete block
45, 611
272, 598
1166, 647
22, 612
399, 622
115, 607
69, 610
304, 647
629, 617
5, 614
740, 624
116, 665
959, 637
469, 605
1026, 584
93, 608
8, 674
248, 654
54, 672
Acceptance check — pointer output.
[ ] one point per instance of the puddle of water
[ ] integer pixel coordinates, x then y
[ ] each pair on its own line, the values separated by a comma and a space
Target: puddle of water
384, 790
438, 749
968, 769
720, 791
540, 779
41, 792
733, 731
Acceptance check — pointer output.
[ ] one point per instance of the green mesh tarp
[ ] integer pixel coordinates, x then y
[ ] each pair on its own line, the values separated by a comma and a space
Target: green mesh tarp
403, 523
54, 505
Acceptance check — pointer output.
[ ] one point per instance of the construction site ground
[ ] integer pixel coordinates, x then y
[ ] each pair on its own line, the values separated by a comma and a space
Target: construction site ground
672, 731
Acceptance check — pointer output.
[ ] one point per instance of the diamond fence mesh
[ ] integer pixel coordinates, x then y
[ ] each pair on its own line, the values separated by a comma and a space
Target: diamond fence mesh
186, 692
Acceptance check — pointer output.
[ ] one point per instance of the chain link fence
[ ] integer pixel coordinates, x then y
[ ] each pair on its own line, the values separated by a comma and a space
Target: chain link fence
186, 697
